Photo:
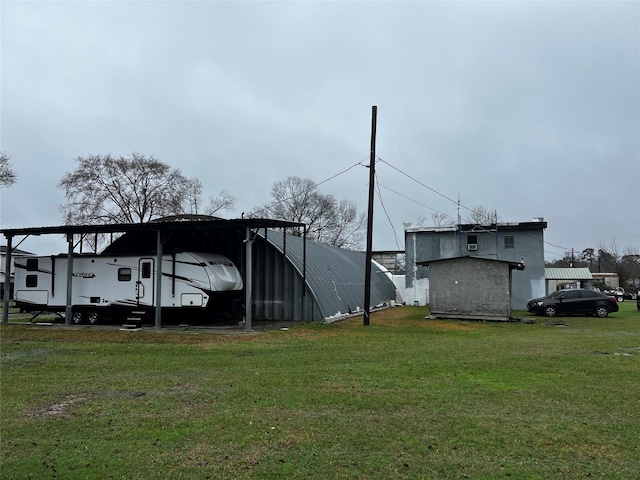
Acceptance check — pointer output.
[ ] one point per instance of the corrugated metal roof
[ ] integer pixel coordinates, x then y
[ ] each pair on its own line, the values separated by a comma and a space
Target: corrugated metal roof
567, 274
335, 275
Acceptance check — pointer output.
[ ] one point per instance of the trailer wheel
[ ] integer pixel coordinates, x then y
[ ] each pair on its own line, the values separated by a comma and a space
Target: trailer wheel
93, 317
76, 318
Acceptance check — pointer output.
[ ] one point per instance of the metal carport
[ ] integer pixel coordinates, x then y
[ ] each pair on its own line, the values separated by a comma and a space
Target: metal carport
162, 230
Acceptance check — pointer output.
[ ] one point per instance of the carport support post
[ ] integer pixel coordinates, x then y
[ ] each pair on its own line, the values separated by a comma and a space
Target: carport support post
304, 273
7, 282
158, 295
248, 288
68, 312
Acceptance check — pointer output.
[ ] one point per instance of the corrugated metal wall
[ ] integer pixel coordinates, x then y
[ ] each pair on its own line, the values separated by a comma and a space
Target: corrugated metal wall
278, 287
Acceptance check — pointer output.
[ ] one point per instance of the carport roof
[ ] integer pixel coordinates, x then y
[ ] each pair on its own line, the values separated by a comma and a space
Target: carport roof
567, 274
168, 224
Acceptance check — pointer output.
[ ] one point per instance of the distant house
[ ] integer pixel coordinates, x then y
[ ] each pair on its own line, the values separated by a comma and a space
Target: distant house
511, 242
471, 288
610, 280
393, 261
560, 278
3, 267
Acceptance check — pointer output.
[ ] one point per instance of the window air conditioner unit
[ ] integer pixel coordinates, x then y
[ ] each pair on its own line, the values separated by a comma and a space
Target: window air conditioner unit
472, 247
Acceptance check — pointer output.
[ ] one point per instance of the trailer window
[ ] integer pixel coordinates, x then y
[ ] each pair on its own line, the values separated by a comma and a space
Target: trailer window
124, 274
32, 281
146, 270
32, 264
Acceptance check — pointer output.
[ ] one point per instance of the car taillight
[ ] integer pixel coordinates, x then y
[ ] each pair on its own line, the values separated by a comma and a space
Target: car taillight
615, 300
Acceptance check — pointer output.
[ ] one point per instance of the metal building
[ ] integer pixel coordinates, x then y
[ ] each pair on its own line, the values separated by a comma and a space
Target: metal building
512, 242
286, 277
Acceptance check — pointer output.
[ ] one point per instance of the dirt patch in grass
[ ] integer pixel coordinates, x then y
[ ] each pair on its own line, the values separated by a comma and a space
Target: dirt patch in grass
453, 325
58, 409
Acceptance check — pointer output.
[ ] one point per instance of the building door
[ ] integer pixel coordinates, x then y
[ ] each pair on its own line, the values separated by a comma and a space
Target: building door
144, 285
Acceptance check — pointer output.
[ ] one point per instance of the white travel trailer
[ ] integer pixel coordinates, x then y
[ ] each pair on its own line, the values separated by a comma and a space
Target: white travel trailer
119, 286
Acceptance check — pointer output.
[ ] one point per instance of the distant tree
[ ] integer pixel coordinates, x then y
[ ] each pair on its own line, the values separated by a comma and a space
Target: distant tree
441, 219
106, 189
630, 267
328, 220
625, 262
193, 196
437, 218
420, 222
609, 257
135, 189
7, 175
569, 260
481, 215
589, 256
223, 201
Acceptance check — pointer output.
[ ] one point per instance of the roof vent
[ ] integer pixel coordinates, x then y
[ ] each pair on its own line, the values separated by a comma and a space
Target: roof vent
538, 219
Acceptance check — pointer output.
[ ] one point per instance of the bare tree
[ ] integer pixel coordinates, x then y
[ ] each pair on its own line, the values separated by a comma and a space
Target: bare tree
420, 222
440, 218
346, 228
223, 201
609, 257
193, 196
136, 189
329, 221
481, 215
7, 175
624, 261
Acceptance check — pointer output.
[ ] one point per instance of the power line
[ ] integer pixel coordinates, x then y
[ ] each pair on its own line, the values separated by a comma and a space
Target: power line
415, 201
425, 186
384, 208
268, 206
449, 199
340, 173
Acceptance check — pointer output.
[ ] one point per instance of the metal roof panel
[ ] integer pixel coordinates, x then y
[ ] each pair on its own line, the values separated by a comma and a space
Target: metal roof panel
336, 275
567, 274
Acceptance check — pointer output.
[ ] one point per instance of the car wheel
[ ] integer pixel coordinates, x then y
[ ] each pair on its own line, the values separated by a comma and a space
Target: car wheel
93, 317
602, 311
550, 311
76, 318
620, 299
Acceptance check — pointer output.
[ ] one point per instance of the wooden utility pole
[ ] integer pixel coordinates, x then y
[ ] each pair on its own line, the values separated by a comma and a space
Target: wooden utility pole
372, 179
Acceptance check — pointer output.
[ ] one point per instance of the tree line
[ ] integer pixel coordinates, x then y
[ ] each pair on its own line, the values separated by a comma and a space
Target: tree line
138, 188
608, 258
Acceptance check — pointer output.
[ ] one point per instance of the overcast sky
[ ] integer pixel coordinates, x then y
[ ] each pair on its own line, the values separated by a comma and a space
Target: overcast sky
529, 108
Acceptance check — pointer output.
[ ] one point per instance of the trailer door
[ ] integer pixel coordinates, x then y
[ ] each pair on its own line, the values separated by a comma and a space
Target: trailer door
144, 285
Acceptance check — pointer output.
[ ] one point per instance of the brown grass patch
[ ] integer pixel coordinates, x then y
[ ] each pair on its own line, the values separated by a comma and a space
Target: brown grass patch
453, 325
58, 409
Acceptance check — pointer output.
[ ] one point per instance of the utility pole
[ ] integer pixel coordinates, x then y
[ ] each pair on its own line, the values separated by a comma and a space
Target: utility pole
372, 179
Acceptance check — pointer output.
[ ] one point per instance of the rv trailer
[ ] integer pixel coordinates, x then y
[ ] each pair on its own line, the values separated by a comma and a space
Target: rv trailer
194, 286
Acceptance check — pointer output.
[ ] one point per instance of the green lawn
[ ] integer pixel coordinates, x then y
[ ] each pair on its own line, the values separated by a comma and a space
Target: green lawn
404, 397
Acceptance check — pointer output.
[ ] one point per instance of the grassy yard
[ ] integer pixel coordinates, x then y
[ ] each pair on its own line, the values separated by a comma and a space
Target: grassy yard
405, 397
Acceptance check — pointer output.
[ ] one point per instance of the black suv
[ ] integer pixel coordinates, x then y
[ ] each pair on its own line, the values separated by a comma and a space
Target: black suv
574, 302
